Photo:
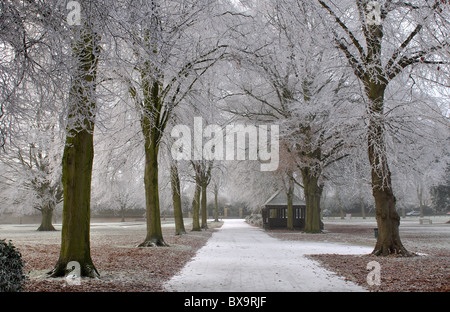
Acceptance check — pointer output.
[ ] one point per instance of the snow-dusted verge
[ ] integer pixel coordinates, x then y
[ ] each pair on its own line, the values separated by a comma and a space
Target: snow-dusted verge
243, 258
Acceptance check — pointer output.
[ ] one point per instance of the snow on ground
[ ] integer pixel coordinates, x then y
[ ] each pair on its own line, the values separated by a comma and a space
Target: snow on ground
240, 257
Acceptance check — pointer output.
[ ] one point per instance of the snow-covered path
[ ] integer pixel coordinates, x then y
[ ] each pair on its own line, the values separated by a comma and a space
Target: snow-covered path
240, 257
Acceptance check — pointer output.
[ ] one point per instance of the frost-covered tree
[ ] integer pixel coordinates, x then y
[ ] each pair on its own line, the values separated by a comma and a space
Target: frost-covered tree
382, 40
440, 193
289, 78
33, 62
164, 50
218, 183
48, 59
31, 178
117, 181
202, 171
79, 146
32, 75
416, 129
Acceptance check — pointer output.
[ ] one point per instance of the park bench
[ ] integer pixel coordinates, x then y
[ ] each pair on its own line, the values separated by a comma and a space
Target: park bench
423, 221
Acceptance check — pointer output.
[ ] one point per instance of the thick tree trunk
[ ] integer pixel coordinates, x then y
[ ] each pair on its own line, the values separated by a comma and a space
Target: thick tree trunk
154, 236
152, 131
204, 206
46, 222
313, 193
176, 200
78, 157
388, 220
376, 77
196, 208
77, 169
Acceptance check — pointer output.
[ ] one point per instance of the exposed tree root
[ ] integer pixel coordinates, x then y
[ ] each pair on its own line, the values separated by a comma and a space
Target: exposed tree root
399, 251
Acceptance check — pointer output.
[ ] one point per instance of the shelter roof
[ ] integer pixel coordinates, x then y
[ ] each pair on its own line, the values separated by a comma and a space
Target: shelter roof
280, 199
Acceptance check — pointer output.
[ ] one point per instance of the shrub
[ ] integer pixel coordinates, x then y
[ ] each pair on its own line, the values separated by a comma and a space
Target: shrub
11, 268
255, 219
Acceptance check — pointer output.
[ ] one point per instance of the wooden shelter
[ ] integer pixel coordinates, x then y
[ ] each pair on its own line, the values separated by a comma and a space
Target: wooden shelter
274, 212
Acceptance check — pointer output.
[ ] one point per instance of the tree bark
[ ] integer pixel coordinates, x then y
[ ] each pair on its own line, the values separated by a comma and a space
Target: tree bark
78, 158
176, 200
204, 206
46, 222
388, 220
216, 203
313, 193
152, 130
290, 209
290, 212
154, 237
196, 207
75, 238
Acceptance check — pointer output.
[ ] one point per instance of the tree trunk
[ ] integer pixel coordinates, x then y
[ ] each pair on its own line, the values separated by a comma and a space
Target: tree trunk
152, 131
204, 206
363, 212
375, 78
122, 213
78, 158
420, 198
388, 220
75, 239
313, 193
216, 203
176, 200
341, 209
290, 210
46, 222
196, 208
154, 236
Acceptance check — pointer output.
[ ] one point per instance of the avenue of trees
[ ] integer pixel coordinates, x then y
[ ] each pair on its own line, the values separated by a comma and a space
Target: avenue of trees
93, 93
